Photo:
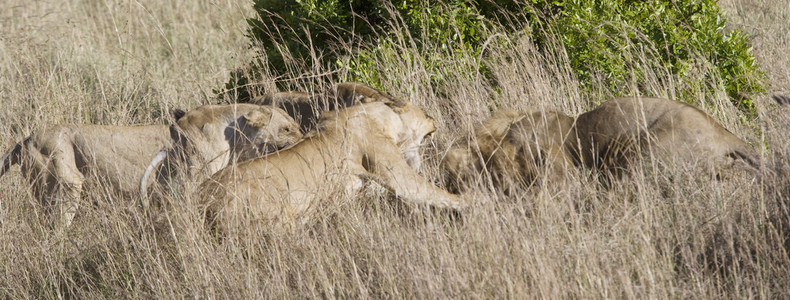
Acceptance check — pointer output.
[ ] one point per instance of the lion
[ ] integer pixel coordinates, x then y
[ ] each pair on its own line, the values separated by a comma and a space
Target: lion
349, 146
514, 147
618, 131
302, 107
517, 147
57, 160
350, 93
306, 108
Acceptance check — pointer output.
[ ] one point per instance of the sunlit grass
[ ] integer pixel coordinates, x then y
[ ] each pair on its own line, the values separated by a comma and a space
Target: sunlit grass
655, 234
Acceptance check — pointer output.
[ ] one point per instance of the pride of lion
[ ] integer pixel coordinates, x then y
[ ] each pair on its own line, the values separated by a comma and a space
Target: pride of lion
275, 160
58, 159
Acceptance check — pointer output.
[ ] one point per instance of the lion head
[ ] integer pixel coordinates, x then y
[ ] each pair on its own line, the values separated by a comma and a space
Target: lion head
516, 148
249, 130
417, 126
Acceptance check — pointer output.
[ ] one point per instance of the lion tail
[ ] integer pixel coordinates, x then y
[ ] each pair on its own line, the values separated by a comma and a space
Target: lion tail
742, 150
749, 156
157, 160
11, 158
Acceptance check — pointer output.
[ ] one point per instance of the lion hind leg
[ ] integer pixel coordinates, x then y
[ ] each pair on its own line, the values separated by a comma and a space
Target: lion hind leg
69, 188
618, 155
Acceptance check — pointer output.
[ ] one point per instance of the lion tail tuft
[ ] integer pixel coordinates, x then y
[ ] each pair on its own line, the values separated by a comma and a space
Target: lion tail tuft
11, 158
781, 99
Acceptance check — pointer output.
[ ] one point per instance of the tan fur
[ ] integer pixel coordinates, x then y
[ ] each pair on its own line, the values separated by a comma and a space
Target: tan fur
306, 108
302, 107
621, 130
351, 93
58, 160
515, 147
363, 142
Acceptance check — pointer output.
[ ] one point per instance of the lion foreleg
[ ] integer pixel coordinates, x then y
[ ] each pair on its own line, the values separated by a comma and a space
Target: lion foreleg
392, 172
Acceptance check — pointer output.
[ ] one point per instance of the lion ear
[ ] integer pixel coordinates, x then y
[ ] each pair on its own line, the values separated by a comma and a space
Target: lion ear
257, 117
395, 103
178, 114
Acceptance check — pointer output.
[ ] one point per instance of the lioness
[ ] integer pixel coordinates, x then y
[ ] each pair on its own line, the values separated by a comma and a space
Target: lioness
515, 147
306, 108
350, 93
518, 146
618, 131
57, 160
365, 141
302, 107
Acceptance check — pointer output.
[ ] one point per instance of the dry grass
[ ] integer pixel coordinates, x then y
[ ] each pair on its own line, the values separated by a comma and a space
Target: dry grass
658, 234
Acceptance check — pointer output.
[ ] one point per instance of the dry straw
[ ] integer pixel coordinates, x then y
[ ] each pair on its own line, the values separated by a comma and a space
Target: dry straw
659, 234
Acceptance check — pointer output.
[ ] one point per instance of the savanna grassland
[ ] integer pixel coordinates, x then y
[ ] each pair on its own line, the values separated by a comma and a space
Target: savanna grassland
659, 233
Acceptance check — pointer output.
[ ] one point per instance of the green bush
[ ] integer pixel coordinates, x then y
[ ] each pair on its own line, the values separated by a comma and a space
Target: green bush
599, 37
294, 36
296, 27
679, 34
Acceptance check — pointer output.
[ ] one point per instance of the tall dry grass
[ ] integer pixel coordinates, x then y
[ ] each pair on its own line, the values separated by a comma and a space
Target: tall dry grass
659, 233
